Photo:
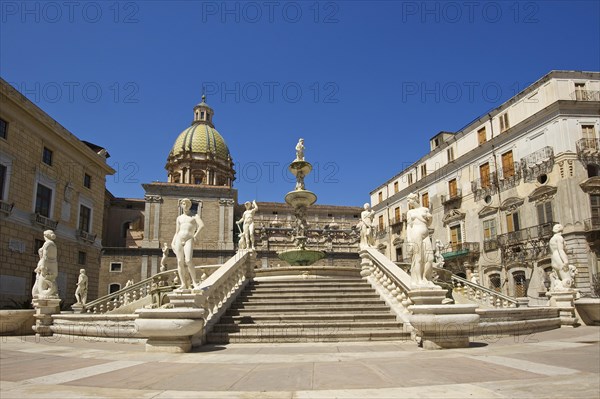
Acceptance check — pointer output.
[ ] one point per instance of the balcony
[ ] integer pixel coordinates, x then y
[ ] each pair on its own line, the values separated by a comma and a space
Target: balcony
450, 199
588, 150
43, 221
586, 95
85, 236
537, 163
509, 177
490, 245
528, 243
460, 249
483, 187
381, 232
397, 221
6, 208
592, 224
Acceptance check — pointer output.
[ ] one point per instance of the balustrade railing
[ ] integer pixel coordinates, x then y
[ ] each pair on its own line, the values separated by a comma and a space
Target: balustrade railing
509, 176
44, 221
537, 163
460, 249
482, 295
5, 207
586, 95
537, 232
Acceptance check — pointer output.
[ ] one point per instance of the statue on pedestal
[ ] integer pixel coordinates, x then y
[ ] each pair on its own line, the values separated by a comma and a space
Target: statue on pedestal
248, 221
300, 150
420, 248
187, 230
82, 287
563, 274
47, 269
439, 258
165, 254
366, 228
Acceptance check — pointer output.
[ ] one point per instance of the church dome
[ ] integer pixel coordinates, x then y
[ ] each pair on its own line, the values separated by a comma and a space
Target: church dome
200, 154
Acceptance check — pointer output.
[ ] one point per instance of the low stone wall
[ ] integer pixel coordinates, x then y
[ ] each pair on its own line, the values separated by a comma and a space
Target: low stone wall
516, 321
118, 326
17, 322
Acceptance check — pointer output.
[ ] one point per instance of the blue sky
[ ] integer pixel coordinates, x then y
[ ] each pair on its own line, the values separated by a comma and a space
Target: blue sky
366, 84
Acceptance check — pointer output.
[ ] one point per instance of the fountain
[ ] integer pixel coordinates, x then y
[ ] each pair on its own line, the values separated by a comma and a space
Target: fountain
300, 199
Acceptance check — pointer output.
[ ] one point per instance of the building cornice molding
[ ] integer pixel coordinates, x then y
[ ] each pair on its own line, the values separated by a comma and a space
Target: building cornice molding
542, 194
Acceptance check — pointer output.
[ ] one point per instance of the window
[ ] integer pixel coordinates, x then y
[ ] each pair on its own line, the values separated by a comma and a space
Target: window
381, 222
508, 166
43, 200
85, 219
588, 131
47, 156
544, 212
512, 222
455, 236
114, 287
202, 115
116, 267
3, 172
87, 180
495, 282
520, 284
395, 187
481, 136
595, 206
380, 196
399, 256
450, 153
424, 170
397, 216
484, 174
452, 188
580, 91
81, 258
504, 125
425, 200
489, 230
3, 128
410, 178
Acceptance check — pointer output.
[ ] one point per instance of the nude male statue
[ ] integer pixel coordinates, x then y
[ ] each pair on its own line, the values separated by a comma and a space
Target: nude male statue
187, 230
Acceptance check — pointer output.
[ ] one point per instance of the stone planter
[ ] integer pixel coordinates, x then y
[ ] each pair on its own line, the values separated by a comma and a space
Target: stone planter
589, 310
17, 322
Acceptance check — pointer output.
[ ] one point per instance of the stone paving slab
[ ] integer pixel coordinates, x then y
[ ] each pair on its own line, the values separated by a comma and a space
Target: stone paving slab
555, 364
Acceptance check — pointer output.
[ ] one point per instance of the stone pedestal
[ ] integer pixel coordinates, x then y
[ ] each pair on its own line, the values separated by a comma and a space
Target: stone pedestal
365, 264
169, 330
565, 302
77, 308
440, 326
44, 309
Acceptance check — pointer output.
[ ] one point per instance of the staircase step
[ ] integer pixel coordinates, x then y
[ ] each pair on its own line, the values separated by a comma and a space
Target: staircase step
309, 302
311, 284
306, 309
313, 336
294, 318
330, 326
308, 290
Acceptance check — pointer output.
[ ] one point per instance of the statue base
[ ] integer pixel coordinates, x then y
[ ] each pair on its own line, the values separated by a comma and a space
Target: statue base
169, 330
440, 326
78, 308
44, 309
565, 302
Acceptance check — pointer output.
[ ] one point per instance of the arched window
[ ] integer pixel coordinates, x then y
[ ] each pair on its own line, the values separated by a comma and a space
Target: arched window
520, 284
495, 282
114, 287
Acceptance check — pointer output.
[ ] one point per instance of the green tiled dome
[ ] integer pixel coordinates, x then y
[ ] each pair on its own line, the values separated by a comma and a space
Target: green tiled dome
201, 138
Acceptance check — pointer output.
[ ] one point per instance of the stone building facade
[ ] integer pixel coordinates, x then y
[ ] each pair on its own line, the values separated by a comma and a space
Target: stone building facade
496, 187
49, 179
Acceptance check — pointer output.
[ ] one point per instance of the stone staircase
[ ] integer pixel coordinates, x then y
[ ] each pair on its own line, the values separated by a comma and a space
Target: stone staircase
310, 310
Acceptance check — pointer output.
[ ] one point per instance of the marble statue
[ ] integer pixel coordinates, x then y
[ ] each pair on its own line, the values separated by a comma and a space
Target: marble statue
366, 228
420, 249
300, 150
81, 291
47, 269
187, 230
165, 254
563, 274
475, 278
129, 283
248, 221
439, 258
300, 180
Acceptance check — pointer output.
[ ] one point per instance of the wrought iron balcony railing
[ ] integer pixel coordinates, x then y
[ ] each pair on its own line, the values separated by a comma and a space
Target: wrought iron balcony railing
586, 95
537, 163
588, 150
540, 231
592, 224
490, 245
484, 186
452, 197
509, 177
6, 208
85, 236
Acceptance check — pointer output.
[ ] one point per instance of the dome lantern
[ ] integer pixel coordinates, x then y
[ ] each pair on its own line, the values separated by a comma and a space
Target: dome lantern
203, 113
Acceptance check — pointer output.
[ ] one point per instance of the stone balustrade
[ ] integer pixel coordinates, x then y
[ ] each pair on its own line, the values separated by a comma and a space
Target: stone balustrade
482, 295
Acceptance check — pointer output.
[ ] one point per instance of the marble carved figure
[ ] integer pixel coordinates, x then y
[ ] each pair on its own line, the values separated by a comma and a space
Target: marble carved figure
47, 269
81, 291
248, 221
420, 249
187, 230
366, 227
165, 254
563, 274
439, 258
300, 150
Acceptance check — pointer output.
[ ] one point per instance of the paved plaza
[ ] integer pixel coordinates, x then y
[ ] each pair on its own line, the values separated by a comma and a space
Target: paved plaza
562, 363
